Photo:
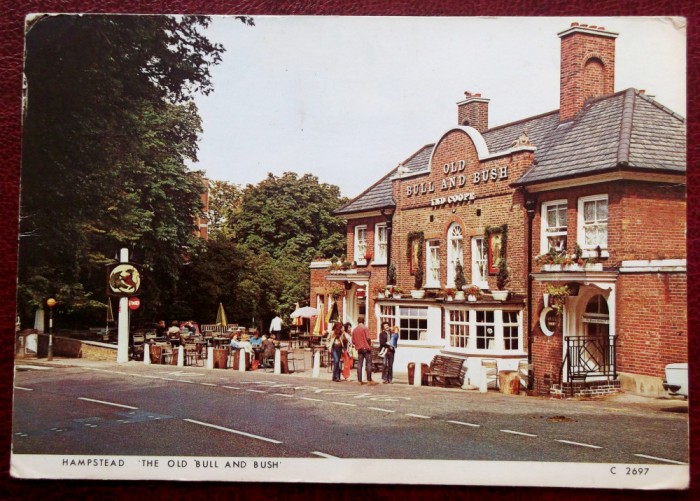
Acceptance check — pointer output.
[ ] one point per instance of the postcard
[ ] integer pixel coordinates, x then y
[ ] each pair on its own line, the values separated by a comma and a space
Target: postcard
322, 249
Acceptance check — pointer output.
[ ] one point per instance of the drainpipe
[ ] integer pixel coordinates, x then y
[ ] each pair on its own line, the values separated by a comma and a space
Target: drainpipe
530, 204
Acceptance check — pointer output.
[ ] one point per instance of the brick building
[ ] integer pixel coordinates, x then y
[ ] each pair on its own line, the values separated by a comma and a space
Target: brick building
585, 203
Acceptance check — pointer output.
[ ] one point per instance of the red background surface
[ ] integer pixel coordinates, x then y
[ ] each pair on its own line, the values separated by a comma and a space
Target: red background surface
11, 47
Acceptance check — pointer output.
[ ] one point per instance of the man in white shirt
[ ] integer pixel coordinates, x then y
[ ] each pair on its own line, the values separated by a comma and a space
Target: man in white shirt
276, 327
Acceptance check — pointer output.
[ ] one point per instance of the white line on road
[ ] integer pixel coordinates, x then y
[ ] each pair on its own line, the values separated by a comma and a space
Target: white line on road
312, 399
343, 403
185, 381
418, 416
250, 435
380, 409
465, 424
257, 391
107, 403
579, 443
207, 384
283, 395
324, 455
660, 459
232, 387
23, 388
518, 433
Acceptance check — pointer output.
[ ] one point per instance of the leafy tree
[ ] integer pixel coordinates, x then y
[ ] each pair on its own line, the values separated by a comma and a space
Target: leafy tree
108, 125
291, 216
224, 209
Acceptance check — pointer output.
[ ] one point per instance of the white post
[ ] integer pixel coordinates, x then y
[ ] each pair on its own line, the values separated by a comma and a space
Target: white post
147, 353
483, 385
210, 357
181, 356
241, 360
278, 362
317, 364
417, 374
123, 329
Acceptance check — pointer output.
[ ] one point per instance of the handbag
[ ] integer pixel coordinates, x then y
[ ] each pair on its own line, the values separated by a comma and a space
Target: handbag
353, 351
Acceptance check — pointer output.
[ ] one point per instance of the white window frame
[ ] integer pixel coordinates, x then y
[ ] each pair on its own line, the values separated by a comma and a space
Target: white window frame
358, 250
590, 251
455, 251
544, 225
379, 244
470, 325
394, 317
478, 278
432, 263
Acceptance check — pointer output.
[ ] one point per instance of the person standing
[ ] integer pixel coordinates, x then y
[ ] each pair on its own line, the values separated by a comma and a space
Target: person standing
384, 343
363, 344
337, 345
276, 327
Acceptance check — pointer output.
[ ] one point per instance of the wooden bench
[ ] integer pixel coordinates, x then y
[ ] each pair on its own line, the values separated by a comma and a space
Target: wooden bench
445, 371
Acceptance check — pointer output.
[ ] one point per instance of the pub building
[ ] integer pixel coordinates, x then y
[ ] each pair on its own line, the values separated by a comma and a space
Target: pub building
583, 207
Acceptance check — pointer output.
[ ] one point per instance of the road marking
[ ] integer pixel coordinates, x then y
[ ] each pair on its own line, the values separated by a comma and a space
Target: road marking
283, 395
312, 399
231, 387
418, 416
343, 403
107, 403
579, 443
250, 435
660, 459
324, 455
380, 409
23, 388
518, 433
185, 381
465, 424
207, 384
257, 391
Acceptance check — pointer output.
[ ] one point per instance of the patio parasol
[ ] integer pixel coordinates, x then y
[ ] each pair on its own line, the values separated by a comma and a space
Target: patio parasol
221, 318
321, 324
305, 312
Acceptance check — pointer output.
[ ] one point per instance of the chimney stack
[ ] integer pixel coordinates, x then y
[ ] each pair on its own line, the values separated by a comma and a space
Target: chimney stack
587, 67
473, 111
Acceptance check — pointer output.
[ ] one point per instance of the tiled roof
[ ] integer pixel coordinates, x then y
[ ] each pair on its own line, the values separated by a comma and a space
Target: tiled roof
625, 130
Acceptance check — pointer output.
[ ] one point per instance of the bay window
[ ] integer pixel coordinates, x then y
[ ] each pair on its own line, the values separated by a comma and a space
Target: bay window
412, 321
495, 331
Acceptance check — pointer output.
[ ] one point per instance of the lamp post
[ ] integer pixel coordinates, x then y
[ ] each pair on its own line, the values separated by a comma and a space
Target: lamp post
51, 302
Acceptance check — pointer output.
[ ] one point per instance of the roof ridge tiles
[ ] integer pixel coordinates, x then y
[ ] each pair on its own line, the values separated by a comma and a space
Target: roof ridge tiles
623, 147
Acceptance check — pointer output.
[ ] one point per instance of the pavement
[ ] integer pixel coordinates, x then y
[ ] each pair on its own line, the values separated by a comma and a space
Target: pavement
621, 399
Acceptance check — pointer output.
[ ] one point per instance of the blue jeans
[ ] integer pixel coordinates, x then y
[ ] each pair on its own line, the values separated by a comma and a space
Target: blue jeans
365, 356
388, 372
337, 366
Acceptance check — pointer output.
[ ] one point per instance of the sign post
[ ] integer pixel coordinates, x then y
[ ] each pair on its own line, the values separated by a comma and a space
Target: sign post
124, 281
123, 332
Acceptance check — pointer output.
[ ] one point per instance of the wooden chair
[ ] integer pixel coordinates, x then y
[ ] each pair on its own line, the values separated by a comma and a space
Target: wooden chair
491, 366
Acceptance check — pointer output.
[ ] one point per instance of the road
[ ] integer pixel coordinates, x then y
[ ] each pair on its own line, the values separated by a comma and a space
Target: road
136, 409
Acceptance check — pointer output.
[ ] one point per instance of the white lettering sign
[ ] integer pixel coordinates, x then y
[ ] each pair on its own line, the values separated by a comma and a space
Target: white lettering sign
486, 175
459, 197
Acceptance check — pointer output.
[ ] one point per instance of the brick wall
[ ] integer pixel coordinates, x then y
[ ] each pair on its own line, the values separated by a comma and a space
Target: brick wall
652, 323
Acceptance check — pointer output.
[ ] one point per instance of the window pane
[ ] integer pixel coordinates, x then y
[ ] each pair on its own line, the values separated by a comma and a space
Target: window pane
602, 210
589, 212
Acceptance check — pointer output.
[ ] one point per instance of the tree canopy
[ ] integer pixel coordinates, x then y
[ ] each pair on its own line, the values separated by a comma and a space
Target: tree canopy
109, 122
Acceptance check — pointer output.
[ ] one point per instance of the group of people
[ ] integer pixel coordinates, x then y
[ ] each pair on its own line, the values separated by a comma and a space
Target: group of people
343, 340
178, 332
261, 348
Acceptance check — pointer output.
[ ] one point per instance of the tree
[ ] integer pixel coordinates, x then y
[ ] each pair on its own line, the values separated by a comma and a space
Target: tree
224, 209
291, 216
108, 125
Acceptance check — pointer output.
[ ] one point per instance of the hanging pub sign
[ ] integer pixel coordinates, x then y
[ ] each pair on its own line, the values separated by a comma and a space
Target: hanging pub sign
123, 279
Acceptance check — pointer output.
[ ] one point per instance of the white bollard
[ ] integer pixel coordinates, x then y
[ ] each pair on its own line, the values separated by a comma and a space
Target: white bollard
180, 356
417, 374
483, 386
146, 353
241, 360
210, 357
317, 365
278, 361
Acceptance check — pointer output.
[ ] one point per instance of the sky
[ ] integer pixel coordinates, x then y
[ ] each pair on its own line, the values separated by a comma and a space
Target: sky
349, 98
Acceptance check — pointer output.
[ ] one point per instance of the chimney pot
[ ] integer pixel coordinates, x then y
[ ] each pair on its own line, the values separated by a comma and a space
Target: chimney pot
574, 25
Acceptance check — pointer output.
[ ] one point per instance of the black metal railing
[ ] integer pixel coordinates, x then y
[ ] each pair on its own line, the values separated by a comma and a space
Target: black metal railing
589, 356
